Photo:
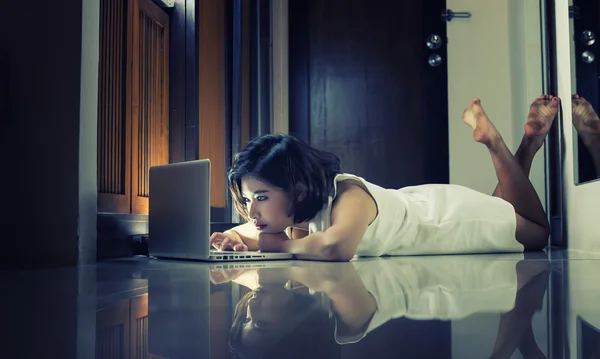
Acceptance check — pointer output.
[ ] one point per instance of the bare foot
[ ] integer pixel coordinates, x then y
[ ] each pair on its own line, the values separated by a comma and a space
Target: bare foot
542, 113
586, 121
483, 129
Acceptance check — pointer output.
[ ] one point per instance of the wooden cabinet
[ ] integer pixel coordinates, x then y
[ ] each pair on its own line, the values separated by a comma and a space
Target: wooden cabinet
133, 102
176, 85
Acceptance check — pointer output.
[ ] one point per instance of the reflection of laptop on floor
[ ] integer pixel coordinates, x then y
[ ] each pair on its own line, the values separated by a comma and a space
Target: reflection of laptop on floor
179, 215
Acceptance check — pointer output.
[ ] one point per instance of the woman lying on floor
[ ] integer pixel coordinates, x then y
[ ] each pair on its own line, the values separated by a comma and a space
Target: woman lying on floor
296, 201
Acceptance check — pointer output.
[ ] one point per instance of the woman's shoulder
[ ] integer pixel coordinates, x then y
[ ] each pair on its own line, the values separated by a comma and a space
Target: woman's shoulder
356, 194
353, 178
345, 181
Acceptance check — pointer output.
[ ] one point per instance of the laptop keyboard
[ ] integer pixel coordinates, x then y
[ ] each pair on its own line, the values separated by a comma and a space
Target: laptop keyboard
214, 251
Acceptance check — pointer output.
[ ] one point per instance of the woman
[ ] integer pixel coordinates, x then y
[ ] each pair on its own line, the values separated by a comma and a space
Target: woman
296, 200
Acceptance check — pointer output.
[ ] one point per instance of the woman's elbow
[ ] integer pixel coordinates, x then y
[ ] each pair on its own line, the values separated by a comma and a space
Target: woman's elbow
338, 251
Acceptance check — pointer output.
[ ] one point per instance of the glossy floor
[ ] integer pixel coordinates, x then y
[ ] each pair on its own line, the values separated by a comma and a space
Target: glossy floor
543, 305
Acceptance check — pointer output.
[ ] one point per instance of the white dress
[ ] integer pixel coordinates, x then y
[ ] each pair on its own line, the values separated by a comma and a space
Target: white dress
430, 219
442, 288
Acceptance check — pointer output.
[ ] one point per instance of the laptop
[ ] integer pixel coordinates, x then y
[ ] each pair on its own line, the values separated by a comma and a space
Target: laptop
181, 308
179, 215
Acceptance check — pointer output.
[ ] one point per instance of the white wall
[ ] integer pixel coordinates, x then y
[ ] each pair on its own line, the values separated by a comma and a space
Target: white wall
525, 48
494, 55
478, 66
582, 202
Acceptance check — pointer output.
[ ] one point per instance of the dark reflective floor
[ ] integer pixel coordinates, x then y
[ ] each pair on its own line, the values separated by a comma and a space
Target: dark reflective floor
544, 305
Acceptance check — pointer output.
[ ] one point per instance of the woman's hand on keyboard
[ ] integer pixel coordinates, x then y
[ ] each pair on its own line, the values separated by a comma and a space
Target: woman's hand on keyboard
227, 241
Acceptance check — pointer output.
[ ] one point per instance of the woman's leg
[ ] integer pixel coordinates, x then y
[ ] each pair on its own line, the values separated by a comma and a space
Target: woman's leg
515, 329
542, 113
587, 124
515, 186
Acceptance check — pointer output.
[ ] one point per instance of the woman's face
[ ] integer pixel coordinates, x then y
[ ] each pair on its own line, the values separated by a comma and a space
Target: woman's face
267, 314
267, 205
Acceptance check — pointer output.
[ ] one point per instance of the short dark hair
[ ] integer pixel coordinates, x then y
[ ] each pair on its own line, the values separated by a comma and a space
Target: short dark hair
305, 173
307, 322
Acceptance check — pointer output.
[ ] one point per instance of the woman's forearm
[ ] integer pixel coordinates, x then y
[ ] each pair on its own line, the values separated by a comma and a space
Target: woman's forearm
315, 246
351, 302
353, 306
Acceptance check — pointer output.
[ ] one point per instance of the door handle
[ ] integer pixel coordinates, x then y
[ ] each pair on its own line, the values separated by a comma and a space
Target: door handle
448, 15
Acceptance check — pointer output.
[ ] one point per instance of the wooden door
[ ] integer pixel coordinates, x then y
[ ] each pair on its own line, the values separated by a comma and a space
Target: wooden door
361, 87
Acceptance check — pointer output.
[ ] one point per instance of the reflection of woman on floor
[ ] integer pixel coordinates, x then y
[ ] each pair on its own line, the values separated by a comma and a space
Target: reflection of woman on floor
364, 295
587, 124
277, 317
516, 330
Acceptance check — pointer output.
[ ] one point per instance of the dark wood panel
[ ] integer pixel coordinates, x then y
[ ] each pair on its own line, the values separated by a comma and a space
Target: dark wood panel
245, 81
113, 162
192, 118
177, 79
299, 107
212, 92
371, 95
183, 82
435, 138
260, 63
358, 109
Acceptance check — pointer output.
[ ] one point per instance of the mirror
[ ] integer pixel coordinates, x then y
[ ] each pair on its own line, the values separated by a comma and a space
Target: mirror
585, 66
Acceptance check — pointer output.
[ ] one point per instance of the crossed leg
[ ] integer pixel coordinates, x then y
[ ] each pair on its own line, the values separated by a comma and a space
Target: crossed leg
542, 113
513, 182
